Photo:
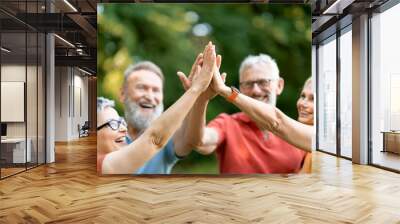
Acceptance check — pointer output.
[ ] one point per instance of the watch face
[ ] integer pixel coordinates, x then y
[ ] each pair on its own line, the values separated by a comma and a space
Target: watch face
235, 89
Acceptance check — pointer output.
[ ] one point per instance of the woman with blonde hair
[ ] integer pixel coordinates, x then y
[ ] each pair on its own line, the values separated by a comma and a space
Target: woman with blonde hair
305, 109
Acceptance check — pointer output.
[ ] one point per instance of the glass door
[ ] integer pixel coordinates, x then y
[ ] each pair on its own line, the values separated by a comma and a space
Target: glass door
385, 89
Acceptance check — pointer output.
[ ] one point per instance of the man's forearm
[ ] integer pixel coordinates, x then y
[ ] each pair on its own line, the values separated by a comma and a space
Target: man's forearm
181, 144
188, 133
197, 122
166, 125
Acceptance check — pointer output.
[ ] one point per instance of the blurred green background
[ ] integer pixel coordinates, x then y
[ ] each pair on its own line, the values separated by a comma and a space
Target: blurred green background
171, 35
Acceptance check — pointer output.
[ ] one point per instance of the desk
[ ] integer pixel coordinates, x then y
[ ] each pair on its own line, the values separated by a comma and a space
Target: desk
13, 150
391, 141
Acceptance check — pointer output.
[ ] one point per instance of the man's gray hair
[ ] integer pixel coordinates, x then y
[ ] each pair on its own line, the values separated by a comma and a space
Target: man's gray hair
261, 59
143, 65
102, 103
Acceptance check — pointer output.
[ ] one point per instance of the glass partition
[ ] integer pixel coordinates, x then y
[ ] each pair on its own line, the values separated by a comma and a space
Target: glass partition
385, 89
327, 95
13, 105
22, 90
346, 93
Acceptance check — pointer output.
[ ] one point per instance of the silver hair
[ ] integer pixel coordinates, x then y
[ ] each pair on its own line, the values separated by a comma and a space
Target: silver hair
102, 103
143, 65
262, 59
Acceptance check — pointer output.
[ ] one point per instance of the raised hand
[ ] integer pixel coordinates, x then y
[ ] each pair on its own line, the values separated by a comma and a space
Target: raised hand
218, 82
196, 67
210, 92
201, 80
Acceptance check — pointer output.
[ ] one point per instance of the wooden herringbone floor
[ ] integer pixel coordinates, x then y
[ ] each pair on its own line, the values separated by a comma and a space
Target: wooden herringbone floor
69, 191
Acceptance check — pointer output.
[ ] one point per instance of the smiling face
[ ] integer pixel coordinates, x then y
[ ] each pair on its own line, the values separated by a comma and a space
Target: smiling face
305, 105
112, 140
268, 91
142, 96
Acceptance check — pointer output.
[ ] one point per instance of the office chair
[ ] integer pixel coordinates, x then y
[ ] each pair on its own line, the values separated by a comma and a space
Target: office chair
84, 130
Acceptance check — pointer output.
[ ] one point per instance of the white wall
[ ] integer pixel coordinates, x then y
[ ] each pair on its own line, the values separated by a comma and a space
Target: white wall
61, 103
12, 73
71, 94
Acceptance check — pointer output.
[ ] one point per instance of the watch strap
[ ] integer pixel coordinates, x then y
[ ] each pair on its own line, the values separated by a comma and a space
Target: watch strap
234, 94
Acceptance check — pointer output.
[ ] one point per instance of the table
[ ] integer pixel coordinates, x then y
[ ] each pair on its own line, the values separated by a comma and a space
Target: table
391, 141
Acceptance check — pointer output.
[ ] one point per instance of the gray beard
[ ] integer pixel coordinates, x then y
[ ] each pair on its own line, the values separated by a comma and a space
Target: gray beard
137, 120
272, 99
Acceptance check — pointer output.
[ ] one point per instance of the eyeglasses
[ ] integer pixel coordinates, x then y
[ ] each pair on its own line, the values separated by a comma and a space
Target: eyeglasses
113, 124
262, 83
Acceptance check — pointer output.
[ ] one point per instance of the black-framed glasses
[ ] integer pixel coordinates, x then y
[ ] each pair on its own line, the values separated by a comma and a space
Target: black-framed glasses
262, 83
114, 124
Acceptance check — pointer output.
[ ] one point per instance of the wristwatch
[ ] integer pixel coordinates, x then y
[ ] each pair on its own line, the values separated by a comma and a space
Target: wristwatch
234, 94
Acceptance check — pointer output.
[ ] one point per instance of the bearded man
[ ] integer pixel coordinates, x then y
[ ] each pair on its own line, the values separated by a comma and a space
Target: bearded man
142, 95
261, 138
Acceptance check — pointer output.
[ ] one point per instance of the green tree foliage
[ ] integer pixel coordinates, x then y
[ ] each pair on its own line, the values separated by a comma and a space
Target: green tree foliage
171, 35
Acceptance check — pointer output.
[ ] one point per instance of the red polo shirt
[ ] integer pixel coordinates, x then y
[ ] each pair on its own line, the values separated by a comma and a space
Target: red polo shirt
244, 149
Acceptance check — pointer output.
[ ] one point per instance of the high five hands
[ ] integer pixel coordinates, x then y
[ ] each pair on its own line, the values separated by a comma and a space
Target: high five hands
205, 67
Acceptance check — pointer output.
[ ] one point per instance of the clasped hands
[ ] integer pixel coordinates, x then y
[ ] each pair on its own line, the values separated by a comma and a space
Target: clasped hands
204, 75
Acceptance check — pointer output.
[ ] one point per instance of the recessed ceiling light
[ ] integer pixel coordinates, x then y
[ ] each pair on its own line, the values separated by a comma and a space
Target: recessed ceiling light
84, 71
64, 40
70, 5
337, 7
5, 50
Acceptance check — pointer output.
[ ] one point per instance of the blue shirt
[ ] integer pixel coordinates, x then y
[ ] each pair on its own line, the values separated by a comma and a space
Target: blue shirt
161, 163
